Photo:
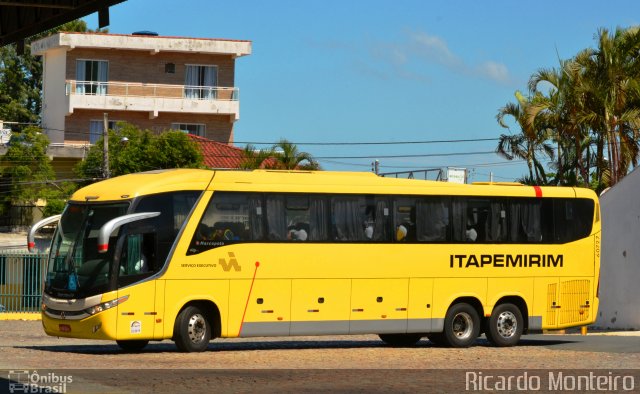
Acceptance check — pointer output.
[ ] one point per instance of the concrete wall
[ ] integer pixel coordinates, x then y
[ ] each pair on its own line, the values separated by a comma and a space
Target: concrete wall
54, 104
620, 269
137, 66
218, 127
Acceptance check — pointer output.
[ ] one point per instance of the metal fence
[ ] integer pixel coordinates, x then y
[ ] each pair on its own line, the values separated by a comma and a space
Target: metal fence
21, 280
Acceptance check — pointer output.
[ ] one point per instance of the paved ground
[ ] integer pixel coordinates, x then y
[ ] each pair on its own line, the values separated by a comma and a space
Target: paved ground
341, 363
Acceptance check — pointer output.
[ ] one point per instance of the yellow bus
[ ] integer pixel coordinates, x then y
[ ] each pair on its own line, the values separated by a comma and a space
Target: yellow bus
191, 255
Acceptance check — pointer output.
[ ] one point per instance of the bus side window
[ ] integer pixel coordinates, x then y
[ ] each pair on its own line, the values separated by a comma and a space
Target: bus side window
573, 219
525, 217
348, 218
138, 258
376, 219
496, 223
229, 218
404, 220
432, 219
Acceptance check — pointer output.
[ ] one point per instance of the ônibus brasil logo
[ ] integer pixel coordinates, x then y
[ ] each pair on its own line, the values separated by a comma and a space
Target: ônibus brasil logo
22, 381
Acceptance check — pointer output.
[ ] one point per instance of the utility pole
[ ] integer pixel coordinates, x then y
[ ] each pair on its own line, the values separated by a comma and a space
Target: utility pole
105, 148
375, 167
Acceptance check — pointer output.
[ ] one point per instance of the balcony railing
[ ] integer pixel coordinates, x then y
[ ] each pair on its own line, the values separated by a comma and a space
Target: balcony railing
130, 89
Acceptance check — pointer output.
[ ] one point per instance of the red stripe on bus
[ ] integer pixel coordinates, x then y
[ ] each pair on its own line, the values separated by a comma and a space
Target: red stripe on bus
248, 297
538, 191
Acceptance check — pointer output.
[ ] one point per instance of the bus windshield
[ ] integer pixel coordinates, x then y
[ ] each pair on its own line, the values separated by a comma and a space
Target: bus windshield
75, 268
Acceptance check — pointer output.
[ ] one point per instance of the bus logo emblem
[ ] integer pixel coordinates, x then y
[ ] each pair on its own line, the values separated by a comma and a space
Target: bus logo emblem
233, 263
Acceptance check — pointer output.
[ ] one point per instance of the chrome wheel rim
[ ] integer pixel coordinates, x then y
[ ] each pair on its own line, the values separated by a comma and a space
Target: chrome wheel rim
462, 325
197, 328
507, 324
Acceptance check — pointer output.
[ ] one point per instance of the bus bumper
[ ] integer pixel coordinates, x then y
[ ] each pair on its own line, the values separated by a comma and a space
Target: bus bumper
99, 326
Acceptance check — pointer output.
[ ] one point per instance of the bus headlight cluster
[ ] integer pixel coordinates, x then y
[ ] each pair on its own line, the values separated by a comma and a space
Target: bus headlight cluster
106, 305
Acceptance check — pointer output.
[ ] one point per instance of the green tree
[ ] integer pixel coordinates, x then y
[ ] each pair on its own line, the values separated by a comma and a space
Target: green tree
560, 109
20, 86
589, 108
528, 141
134, 150
286, 156
21, 78
253, 158
28, 171
613, 110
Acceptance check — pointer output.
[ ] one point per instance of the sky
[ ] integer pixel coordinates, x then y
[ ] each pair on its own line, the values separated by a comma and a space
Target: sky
331, 75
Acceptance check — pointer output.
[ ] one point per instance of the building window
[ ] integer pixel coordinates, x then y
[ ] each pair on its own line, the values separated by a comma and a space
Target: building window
92, 77
200, 82
96, 128
191, 128
170, 68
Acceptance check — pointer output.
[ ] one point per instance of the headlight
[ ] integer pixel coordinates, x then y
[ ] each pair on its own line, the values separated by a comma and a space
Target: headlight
106, 305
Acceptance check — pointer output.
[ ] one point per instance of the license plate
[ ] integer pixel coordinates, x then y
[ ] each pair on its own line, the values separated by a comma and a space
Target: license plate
64, 328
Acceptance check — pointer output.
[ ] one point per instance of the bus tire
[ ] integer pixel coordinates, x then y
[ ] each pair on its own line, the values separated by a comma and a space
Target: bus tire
505, 325
461, 325
400, 340
132, 345
192, 331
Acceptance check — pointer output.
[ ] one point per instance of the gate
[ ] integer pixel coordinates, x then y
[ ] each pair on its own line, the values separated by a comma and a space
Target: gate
21, 281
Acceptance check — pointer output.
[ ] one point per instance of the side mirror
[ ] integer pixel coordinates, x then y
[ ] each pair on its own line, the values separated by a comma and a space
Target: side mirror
110, 226
31, 237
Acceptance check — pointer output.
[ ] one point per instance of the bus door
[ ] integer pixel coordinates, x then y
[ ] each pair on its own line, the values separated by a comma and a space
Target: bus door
137, 315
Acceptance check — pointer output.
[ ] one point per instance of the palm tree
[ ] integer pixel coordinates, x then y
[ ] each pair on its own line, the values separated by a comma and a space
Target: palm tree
253, 158
525, 144
559, 109
288, 157
614, 97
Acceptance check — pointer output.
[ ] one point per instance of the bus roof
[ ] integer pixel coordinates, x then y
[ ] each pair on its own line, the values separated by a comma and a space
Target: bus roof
132, 185
143, 183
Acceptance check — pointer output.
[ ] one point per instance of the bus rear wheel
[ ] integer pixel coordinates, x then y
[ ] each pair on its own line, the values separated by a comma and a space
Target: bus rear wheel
400, 340
192, 331
505, 325
461, 325
132, 345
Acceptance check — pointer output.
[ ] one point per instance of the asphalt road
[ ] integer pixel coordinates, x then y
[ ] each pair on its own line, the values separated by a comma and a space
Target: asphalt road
585, 343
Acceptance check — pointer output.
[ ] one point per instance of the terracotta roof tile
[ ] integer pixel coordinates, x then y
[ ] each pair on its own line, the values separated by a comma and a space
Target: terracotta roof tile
217, 154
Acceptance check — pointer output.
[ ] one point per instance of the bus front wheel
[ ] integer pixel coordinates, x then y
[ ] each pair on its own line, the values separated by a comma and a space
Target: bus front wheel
192, 331
505, 325
461, 325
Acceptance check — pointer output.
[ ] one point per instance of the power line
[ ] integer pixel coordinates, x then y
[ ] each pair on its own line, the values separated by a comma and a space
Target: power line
375, 143
405, 156
317, 143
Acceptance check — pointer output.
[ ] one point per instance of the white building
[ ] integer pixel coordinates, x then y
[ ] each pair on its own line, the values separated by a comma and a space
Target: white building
154, 82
